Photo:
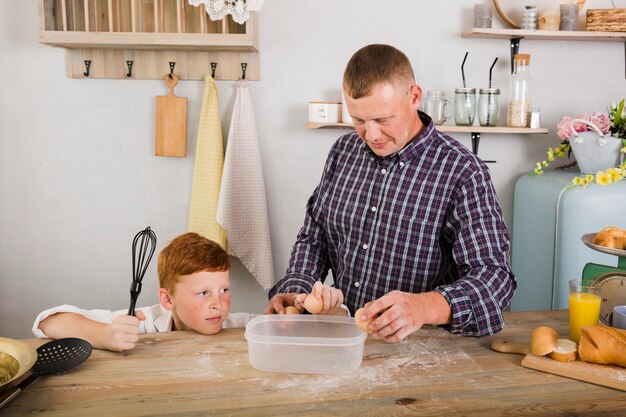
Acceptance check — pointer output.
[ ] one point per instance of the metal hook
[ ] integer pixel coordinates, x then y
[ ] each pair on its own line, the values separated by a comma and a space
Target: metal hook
129, 64
213, 67
244, 65
172, 65
87, 66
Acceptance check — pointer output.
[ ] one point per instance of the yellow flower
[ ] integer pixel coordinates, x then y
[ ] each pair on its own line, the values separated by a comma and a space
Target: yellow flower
589, 178
577, 181
550, 154
615, 174
623, 150
584, 182
603, 178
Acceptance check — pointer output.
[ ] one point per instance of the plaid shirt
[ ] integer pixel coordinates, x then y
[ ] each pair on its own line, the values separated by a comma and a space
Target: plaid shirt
424, 219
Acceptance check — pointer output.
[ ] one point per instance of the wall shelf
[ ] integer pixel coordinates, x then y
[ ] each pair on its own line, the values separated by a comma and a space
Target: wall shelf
515, 35
474, 131
138, 39
447, 128
545, 35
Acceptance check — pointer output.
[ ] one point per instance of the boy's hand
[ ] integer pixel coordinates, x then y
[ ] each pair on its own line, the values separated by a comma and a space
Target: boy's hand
123, 332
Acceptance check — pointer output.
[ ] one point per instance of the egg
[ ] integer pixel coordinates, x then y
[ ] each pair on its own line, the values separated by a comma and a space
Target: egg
312, 304
363, 325
291, 310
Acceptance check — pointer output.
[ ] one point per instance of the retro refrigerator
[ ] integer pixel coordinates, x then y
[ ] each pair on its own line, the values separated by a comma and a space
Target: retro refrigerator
548, 222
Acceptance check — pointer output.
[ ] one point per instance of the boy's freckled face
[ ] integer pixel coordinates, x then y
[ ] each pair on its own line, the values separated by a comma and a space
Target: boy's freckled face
201, 301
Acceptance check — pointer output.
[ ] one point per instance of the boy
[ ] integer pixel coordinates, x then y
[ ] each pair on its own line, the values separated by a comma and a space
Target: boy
194, 295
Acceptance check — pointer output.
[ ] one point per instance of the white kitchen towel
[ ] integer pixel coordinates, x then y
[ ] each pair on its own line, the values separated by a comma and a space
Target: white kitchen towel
207, 172
242, 208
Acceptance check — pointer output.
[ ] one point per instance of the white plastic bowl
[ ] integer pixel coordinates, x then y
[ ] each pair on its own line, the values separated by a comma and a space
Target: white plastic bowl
306, 344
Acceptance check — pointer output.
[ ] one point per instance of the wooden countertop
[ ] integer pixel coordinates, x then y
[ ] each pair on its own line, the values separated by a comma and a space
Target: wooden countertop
430, 373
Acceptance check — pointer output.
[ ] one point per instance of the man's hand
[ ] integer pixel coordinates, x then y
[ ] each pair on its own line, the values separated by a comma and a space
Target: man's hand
280, 301
403, 313
331, 297
122, 333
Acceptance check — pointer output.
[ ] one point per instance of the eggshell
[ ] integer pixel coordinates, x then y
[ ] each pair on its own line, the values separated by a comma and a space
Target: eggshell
291, 310
362, 324
312, 304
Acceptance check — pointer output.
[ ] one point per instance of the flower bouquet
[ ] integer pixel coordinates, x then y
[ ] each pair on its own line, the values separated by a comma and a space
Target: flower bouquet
595, 133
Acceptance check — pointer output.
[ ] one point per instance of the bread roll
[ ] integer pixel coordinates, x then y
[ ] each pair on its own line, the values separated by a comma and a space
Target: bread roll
611, 237
565, 351
543, 340
603, 345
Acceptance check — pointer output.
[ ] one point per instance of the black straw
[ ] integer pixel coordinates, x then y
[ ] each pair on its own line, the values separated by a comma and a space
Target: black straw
462, 70
489, 93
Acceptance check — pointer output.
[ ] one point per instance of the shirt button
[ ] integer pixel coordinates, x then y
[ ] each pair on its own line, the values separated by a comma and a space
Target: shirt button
374, 209
383, 171
401, 164
365, 246
357, 284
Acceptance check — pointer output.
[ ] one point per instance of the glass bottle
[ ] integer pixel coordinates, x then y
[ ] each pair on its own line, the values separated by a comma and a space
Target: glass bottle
488, 106
464, 106
519, 103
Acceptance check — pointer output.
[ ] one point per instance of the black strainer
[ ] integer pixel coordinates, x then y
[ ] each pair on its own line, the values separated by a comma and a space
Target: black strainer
55, 357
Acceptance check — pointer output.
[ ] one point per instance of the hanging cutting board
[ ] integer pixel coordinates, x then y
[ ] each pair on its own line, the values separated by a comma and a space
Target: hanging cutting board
605, 375
171, 122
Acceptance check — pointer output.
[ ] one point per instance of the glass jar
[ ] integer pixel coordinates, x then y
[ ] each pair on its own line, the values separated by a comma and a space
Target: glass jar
435, 106
464, 106
520, 104
488, 106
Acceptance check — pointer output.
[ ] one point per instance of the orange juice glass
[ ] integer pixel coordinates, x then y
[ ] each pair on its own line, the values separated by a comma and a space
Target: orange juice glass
584, 307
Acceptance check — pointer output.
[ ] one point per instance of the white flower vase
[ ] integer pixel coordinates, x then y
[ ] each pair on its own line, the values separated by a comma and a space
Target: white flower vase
594, 151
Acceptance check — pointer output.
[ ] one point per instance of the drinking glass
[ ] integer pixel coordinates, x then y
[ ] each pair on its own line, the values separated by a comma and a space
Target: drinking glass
584, 307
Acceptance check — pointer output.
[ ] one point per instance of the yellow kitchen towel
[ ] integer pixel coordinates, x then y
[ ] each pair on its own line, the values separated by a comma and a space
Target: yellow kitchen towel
242, 208
207, 173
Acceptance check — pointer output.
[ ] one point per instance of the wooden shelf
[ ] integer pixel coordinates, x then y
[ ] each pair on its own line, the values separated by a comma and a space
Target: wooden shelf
144, 39
545, 35
447, 128
206, 42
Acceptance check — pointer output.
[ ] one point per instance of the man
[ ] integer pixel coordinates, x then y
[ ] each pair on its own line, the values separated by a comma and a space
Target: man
405, 216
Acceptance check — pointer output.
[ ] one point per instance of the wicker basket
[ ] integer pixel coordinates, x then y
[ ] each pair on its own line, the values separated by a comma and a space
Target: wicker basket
606, 20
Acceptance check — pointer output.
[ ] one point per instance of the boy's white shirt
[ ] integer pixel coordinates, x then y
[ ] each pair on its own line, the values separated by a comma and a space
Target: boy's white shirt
158, 319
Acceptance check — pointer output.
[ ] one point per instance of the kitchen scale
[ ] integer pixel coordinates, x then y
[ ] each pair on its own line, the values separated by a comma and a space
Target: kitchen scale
610, 279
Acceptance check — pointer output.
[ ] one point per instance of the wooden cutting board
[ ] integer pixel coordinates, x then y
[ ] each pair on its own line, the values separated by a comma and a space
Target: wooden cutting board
605, 375
171, 122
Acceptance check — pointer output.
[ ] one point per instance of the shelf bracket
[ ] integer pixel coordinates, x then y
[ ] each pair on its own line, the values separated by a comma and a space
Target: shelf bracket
514, 49
475, 143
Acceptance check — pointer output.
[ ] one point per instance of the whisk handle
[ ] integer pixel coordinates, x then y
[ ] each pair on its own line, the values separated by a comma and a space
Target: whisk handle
135, 289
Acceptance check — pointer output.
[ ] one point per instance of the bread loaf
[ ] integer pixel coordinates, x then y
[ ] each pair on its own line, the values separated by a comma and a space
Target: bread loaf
565, 351
611, 237
543, 340
603, 345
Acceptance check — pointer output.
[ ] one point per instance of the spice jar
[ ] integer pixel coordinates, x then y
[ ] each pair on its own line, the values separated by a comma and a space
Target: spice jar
464, 106
488, 106
520, 104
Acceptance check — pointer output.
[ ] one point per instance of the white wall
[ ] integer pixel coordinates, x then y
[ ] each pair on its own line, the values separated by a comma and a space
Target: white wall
78, 177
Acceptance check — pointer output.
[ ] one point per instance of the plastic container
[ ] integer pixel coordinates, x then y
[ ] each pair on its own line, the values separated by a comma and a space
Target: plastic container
306, 344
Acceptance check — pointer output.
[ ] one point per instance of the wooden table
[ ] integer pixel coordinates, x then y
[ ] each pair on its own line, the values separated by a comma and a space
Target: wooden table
431, 373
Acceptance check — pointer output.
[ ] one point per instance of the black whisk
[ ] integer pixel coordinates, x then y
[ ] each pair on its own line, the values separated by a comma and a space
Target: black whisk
144, 244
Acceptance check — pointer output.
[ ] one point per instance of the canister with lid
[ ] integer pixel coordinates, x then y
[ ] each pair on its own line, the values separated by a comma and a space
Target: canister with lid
488, 106
464, 106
